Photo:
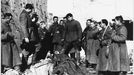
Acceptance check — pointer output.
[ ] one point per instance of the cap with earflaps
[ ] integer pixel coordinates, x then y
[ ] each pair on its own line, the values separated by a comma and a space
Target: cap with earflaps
119, 18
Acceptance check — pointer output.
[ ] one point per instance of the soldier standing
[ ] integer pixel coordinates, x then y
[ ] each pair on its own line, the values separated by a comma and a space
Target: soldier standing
73, 32
25, 24
92, 46
120, 55
10, 58
105, 51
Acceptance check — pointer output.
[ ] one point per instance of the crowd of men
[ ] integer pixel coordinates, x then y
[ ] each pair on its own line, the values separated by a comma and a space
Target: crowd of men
103, 42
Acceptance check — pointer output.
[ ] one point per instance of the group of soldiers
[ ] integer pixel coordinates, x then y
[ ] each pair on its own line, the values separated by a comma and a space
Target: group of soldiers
103, 42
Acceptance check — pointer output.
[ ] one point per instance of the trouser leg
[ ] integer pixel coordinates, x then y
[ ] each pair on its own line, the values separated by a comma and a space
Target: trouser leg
67, 47
102, 73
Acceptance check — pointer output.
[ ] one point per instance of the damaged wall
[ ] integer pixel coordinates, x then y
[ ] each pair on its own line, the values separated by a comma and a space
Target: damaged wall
16, 6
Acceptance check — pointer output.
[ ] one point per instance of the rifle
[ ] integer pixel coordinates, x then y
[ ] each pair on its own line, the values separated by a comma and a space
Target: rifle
109, 41
105, 31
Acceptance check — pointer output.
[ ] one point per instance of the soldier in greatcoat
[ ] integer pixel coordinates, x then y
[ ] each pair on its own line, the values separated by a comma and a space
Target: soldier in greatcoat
10, 57
25, 21
120, 59
104, 57
92, 46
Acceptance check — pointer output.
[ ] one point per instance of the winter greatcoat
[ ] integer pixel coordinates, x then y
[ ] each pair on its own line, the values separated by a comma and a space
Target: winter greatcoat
9, 50
120, 59
92, 45
104, 62
25, 23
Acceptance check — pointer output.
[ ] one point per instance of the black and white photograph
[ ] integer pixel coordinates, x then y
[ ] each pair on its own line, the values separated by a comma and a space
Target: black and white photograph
67, 37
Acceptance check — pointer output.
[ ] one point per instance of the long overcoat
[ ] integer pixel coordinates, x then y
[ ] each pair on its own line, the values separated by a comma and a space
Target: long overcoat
9, 50
92, 45
25, 23
104, 58
120, 59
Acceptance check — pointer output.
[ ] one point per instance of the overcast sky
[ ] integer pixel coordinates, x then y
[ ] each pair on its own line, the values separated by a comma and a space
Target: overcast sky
98, 9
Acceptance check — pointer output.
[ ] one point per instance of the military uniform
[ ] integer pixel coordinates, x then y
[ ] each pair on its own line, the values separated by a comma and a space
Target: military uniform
92, 45
72, 37
25, 23
9, 50
57, 33
120, 59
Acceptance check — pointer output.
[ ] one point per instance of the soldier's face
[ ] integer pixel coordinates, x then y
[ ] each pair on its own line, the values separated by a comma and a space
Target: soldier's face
43, 25
61, 22
88, 23
92, 24
64, 19
29, 10
55, 19
70, 18
117, 22
103, 25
